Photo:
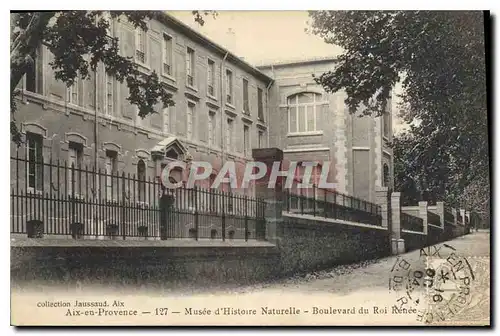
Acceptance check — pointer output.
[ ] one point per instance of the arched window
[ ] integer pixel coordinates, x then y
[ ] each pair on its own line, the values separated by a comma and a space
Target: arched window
386, 175
303, 112
141, 180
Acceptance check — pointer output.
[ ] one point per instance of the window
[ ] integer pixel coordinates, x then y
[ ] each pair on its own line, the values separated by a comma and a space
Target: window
211, 128
246, 107
34, 145
211, 78
141, 180
261, 139
166, 119
31, 77
73, 92
190, 121
386, 176
229, 86
303, 110
34, 77
260, 103
172, 154
190, 67
213, 195
110, 166
246, 140
140, 45
229, 135
167, 55
75, 164
109, 107
386, 117
228, 202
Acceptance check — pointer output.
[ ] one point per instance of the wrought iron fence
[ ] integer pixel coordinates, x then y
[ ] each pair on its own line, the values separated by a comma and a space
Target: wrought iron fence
50, 198
331, 204
411, 223
434, 219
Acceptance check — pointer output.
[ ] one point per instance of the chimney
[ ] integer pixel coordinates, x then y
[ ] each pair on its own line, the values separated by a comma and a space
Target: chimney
231, 40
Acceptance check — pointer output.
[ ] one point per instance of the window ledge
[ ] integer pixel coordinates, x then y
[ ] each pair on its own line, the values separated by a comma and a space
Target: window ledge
34, 192
167, 76
298, 134
191, 88
230, 105
386, 138
211, 97
144, 66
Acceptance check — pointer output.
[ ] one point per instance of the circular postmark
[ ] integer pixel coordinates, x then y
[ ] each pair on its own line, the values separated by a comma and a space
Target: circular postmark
436, 286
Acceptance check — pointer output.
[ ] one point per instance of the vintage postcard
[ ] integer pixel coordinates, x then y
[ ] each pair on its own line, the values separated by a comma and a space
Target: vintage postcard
249, 168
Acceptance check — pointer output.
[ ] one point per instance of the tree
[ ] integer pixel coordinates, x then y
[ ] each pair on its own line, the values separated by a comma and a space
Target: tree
439, 59
79, 42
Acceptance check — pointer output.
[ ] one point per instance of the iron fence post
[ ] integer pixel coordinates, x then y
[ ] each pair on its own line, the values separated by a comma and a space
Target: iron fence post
301, 201
196, 219
325, 213
334, 209
314, 200
246, 218
223, 217
72, 193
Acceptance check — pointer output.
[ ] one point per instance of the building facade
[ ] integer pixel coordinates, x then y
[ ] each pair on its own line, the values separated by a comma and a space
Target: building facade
220, 112
312, 125
224, 107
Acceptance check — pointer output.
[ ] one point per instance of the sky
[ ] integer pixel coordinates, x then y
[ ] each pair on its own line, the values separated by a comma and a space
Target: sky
262, 36
267, 36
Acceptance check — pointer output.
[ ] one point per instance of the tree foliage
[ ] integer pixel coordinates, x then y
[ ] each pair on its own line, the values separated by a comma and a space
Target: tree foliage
439, 59
79, 42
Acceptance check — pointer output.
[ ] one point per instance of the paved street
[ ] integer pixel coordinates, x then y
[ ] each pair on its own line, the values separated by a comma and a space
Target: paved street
356, 294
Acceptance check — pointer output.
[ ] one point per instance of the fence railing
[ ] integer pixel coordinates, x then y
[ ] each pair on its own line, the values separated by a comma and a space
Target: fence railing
50, 198
448, 215
411, 223
434, 219
331, 204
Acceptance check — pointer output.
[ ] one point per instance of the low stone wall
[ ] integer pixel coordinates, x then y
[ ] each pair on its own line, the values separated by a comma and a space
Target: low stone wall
118, 265
303, 245
308, 243
435, 235
413, 240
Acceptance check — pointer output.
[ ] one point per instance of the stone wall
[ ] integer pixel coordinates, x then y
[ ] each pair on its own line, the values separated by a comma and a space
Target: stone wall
307, 244
112, 265
413, 240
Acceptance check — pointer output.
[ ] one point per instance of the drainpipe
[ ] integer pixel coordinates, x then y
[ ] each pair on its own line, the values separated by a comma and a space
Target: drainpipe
267, 103
222, 108
267, 109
